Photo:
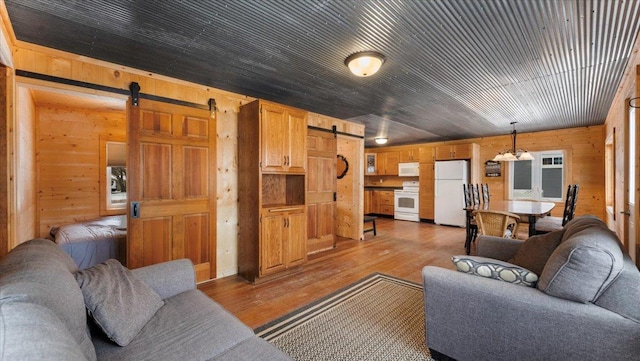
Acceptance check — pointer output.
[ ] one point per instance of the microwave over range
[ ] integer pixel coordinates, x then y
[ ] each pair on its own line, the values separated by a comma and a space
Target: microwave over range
408, 169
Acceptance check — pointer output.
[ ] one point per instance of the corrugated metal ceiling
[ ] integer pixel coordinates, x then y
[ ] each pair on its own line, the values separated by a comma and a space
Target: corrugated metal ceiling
455, 69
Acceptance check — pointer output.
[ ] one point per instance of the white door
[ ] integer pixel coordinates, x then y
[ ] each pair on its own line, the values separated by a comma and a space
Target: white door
454, 169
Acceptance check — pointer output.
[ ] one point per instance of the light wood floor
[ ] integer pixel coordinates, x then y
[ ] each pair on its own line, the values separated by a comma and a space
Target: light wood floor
400, 249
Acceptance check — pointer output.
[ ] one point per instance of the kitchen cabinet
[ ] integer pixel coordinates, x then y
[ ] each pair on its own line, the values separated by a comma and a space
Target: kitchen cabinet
427, 194
271, 191
368, 207
385, 200
427, 154
370, 164
388, 163
283, 135
455, 151
409, 155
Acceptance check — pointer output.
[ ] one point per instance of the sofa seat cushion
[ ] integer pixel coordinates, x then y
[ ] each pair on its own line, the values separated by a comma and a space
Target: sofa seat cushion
188, 327
39, 272
118, 301
585, 262
495, 269
33, 332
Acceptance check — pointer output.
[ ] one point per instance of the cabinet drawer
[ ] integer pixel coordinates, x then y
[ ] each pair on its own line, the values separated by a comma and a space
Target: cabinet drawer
386, 201
387, 210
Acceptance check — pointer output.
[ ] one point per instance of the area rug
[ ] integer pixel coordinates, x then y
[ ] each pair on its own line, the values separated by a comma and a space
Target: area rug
377, 318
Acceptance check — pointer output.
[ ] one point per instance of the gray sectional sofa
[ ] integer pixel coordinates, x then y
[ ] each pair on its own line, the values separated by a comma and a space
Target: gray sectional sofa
43, 315
584, 306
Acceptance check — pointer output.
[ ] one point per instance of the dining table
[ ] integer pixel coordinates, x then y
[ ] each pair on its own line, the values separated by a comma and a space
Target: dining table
530, 210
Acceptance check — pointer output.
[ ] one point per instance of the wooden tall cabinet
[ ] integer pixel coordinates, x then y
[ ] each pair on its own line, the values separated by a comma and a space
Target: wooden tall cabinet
272, 154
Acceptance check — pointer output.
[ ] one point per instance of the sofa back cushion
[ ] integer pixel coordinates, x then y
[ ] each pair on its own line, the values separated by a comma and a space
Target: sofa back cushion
587, 260
37, 272
622, 295
34, 332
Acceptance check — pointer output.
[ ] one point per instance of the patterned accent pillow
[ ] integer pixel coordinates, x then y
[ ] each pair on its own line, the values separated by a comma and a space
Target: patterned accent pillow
493, 268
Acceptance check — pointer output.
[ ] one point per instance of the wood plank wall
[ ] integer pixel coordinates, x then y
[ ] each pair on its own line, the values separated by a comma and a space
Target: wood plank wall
585, 157
33, 58
25, 155
615, 129
68, 159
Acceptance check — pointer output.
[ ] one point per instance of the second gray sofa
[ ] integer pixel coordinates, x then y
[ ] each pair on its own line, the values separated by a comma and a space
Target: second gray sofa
586, 305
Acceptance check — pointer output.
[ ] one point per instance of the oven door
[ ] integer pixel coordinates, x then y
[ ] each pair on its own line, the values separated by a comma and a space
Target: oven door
406, 206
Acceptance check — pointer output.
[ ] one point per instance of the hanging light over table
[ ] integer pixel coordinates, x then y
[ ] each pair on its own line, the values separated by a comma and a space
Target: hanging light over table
514, 153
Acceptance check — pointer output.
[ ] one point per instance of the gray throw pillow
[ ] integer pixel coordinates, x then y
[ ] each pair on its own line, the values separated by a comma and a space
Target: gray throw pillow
119, 302
495, 269
535, 251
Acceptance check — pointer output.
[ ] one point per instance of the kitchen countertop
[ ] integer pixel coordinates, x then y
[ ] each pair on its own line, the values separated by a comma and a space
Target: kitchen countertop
381, 188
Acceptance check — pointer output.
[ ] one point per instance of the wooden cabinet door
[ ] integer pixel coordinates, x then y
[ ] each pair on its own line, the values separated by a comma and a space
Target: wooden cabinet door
321, 189
427, 179
409, 155
171, 177
296, 155
272, 243
444, 152
274, 137
296, 232
370, 164
427, 154
391, 163
462, 151
375, 201
367, 202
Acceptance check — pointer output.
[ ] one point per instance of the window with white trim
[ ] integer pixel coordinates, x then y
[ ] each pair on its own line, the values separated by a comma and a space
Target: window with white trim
541, 179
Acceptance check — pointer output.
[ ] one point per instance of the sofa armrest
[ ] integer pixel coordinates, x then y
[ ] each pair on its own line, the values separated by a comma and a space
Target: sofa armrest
474, 318
168, 278
497, 247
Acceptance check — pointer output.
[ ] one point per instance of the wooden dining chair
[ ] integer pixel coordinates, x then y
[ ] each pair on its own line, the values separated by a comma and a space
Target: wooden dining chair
497, 223
475, 192
549, 224
472, 230
486, 197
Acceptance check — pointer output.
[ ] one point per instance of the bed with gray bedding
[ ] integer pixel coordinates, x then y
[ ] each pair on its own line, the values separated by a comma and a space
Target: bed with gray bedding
93, 241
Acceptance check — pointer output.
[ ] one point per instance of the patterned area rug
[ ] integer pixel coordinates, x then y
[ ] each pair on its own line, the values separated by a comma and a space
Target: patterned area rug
377, 318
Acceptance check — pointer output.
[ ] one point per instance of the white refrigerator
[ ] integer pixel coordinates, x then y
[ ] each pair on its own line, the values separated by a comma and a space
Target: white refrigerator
449, 197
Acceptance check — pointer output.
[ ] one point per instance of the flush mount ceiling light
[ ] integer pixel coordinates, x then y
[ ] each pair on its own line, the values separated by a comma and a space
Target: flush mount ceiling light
514, 153
364, 63
381, 140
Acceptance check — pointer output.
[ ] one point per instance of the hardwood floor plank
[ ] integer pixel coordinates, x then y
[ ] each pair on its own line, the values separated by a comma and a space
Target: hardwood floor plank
400, 249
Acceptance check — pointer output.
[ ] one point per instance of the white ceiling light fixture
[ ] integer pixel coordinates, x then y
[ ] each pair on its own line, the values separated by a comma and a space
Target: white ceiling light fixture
381, 140
364, 63
514, 153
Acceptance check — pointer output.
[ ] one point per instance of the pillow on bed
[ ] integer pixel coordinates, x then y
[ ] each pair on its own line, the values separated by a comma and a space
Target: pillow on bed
119, 302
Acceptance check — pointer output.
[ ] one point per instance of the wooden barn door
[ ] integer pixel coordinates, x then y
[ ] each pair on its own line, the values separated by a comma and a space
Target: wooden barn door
321, 188
171, 185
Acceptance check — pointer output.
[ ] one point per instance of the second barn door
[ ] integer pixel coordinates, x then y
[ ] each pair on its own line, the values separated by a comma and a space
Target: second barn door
321, 189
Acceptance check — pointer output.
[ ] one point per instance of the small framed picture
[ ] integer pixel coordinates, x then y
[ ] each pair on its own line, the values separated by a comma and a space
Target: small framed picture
492, 169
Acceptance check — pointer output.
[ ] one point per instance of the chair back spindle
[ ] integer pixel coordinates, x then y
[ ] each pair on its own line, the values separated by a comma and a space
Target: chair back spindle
476, 194
486, 197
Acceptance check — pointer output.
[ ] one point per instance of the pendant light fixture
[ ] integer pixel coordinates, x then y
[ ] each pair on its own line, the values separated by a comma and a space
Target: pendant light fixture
514, 153
365, 63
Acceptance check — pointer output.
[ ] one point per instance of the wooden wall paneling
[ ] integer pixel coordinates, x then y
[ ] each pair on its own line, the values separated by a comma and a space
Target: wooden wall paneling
26, 205
68, 162
38, 59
